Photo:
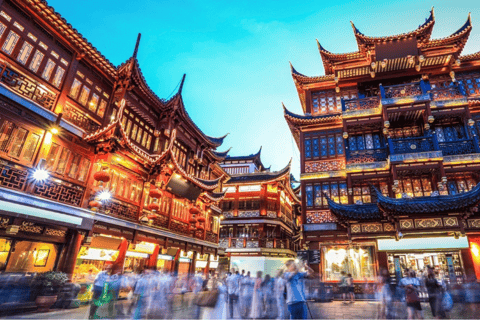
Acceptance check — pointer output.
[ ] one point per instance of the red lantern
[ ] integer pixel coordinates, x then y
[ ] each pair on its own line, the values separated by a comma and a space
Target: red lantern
201, 228
279, 214
151, 216
192, 220
101, 176
191, 229
153, 207
201, 219
155, 193
194, 210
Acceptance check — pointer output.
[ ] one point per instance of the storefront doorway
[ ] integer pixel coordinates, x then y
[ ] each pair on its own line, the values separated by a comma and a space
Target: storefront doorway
27, 256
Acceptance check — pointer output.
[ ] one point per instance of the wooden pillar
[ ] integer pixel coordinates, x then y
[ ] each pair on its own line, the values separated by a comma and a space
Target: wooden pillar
382, 261
73, 247
207, 266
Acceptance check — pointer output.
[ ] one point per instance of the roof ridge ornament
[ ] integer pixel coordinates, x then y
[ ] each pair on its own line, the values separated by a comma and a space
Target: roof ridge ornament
137, 44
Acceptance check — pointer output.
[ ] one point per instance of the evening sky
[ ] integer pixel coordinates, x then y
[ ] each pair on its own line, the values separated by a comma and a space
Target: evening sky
236, 53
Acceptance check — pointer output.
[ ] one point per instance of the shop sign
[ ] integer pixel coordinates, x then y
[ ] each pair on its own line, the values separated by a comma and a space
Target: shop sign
427, 243
165, 257
314, 257
184, 260
136, 254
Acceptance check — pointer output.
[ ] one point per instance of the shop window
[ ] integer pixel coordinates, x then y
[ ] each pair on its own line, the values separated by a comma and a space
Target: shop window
75, 89
92, 105
357, 261
57, 79
414, 187
64, 161
5, 246
102, 108
32, 257
17, 141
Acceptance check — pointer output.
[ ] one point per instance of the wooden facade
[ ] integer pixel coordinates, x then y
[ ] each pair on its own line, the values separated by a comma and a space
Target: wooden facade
398, 120
261, 219
68, 113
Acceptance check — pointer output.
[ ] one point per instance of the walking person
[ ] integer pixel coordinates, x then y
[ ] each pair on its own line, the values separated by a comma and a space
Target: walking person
246, 292
435, 294
257, 300
233, 290
296, 301
351, 288
343, 286
268, 297
411, 286
279, 289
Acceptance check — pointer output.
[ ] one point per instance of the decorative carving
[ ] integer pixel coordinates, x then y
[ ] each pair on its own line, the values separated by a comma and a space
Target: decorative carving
406, 224
325, 165
223, 243
62, 192
450, 222
79, 118
474, 223
12, 176
428, 223
355, 228
323, 216
179, 226
387, 227
457, 147
414, 144
361, 104
446, 93
372, 227
30, 227
121, 209
54, 232
212, 237
252, 243
27, 87
248, 214
160, 221
269, 244
228, 214
403, 90
271, 214
367, 156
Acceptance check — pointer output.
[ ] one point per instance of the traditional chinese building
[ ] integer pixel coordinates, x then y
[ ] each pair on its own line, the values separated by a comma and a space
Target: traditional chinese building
260, 226
95, 167
390, 156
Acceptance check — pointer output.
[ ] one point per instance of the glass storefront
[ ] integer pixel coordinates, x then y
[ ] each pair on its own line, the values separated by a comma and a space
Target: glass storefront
448, 264
27, 256
357, 260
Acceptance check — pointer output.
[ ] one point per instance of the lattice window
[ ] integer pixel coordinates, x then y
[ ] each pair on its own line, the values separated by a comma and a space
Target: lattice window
18, 141
414, 187
470, 82
337, 191
47, 72
57, 79
324, 146
460, 183
24, 53
10, 42
67, 163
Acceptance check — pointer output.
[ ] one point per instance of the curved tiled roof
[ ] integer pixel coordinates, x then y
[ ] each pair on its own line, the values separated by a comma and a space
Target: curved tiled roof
441, 204
471, 56
309, 119
459, 37
368, 211
215, 196
60, 24
303, 79
263, 176
249, 157
424, 31
217, 141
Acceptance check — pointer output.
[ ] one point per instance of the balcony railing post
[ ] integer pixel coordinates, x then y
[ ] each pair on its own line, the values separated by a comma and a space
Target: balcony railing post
476, 144
435, 141
390, 146
382, 91
425, 86
343, 105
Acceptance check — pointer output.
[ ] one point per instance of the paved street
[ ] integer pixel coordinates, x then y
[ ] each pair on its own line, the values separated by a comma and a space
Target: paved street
332, 310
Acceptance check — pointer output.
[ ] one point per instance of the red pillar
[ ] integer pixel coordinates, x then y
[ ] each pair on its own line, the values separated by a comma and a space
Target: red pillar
72, 253
122, 252
152, 261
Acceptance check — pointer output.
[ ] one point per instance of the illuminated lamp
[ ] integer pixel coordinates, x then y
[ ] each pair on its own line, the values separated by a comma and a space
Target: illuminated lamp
94, 205
222, 217
345, 135
102, 176
192, 220
373, 64
337, 89
104, 195
418, 68
421, 58
410, 59
372, 74
458, 62
385, 131
386, 124
155, 193
151, 216
444, 179
154, 207
452, 75
40, 174
427, 126
431, 119
54, 130
201, 219
384, 63
471, 122
144, 219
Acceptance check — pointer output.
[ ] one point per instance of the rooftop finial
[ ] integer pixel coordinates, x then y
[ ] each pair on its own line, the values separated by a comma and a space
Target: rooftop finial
181, 83
136, 45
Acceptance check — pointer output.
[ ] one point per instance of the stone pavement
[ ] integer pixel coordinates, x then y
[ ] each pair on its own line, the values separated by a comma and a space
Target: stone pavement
327, 310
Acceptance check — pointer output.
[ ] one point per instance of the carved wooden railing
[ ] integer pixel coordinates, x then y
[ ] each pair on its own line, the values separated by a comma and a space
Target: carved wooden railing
360, 104
403, 90
250, 243
457, 147
411, 145
79, 118
27, 87
448, 93
366, 156
60, 191
12, 175
121, 209
212, 237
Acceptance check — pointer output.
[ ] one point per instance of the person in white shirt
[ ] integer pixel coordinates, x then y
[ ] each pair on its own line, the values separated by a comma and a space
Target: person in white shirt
411, 285
280, 295
233, 289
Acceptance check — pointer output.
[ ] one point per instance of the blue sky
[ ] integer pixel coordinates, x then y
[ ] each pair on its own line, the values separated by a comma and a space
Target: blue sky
236, 53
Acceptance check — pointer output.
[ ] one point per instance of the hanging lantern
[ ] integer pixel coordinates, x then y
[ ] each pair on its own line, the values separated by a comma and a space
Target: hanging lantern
201, 219
201, 228
192, 229
192, 220
194, 210
154, 207
155, 193
94, 205
144, 219
101, 176
151, 216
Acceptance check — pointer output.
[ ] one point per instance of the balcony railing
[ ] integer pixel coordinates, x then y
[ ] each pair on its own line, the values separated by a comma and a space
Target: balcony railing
402, 90
249, 243
466, 146
448, 93
27, 87
79, 118
367, 156
360, 104
411, 145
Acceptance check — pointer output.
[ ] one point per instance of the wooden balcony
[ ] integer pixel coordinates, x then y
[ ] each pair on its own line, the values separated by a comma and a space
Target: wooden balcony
251, 243
411, 145
466, 146
361, 107
447, 97
366, 156
404, 93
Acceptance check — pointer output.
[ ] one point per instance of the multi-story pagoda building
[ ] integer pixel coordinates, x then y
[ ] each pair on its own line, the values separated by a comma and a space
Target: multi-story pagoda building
390, 156
95, 167
260, 226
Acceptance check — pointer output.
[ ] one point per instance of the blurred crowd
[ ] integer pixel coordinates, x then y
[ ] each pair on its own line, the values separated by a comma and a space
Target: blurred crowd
238, 294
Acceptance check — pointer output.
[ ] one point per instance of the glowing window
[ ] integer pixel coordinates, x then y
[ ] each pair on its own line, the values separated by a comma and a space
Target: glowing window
92, 105
43, 45
75, 89
102, 108
10, 42
24, 52
57, 79
31, 36
19, 26
47, 72
84, 95
6, 16
36, 60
